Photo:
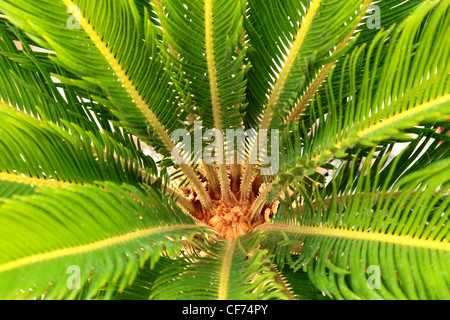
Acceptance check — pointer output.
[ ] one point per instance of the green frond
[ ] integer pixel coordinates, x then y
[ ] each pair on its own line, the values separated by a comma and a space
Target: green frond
305, 37
390, 15
46, 98
105, 233
301, 286
141, 288
289, 41
206, 35
402, 232
30, 148
405, 97
232, 269
424, 150
114, 49
27, 84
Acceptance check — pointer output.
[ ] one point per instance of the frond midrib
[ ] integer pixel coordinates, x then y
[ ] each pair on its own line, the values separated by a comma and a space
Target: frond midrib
214, 90
211, 63
277, 90
121, 75
400, 116
357, 235
12, 177
225, 271
322, 75
90, 247
298, 43
365, 132
139, 102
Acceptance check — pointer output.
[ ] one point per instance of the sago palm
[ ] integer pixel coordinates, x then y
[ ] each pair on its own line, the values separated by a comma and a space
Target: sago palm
102, 194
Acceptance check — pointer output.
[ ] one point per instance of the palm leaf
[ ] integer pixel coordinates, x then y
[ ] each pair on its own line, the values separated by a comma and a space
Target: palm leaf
27, 85
43, 153
232, 269
402, 231
307, 36
131, 72
370, 116
392, 15
293, 39
108, 232
301, 286
419, 153
205, 35
141, 289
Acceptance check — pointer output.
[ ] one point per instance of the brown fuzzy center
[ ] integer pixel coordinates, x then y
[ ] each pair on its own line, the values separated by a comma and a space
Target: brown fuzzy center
230, 221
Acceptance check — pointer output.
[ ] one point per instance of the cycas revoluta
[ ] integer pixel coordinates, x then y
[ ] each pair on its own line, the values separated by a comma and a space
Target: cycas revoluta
93, 204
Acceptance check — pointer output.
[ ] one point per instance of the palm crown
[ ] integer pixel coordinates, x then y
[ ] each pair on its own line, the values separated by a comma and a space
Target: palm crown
93, 205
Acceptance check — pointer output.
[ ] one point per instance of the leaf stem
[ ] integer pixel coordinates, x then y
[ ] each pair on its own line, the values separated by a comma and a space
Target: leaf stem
277, 90
306, 97
225, 272
356, 235
215, 98
141, 105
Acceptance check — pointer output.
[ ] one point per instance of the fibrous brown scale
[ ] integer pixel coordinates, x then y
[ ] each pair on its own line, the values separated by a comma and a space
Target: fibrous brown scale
231, 220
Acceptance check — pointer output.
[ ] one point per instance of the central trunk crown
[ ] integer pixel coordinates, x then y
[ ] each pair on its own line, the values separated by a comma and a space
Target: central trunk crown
230, 221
